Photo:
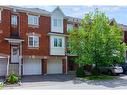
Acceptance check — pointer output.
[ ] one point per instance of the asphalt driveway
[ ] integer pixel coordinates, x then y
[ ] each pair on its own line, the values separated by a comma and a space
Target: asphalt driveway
69, 82
45, 78
1, 79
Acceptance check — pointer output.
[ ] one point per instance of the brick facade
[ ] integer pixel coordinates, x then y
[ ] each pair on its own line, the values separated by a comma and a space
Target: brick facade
5, 31
24, 30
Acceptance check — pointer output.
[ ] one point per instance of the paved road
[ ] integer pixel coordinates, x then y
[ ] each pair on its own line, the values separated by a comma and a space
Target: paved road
68, 82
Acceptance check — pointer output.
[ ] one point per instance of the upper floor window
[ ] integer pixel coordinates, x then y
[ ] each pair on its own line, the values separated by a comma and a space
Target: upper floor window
57, 22
69, 27
54, 22
57, 42
14, 19
33, 20
33, 41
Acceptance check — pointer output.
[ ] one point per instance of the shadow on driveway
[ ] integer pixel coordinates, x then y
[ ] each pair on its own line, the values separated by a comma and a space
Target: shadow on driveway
119, 81
51, 78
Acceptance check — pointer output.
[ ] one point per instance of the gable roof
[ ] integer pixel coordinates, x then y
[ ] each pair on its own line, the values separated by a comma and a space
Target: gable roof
38, 10
58, 8
73, 19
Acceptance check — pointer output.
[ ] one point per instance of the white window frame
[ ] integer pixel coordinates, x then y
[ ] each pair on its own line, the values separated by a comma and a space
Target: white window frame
33, 20
14, 19
70, 27
33, 45
57, 22
57, 42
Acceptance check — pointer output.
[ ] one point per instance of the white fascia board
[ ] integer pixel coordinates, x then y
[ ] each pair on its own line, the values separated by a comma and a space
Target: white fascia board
56, 34
14, 40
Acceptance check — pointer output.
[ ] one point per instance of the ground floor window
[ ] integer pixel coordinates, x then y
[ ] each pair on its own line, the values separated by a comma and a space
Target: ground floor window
33, 41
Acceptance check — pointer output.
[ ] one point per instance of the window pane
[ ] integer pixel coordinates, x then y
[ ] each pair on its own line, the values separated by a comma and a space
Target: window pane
54, 22
69, 27
33, 20
29, 19
14, 19
55, 42
36, 41
60, 42
30, 41
59, 22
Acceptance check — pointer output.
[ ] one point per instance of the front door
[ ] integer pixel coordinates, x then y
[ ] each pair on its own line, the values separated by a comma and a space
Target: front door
14, 54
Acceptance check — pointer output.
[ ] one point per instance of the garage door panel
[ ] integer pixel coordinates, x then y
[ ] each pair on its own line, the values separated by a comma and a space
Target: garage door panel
3, 67
54, 66
32, 67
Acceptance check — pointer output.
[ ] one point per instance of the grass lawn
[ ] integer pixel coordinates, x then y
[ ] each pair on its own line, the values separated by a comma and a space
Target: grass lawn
99, 77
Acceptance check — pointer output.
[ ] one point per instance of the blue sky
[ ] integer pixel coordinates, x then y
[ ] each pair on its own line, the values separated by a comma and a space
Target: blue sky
117, 12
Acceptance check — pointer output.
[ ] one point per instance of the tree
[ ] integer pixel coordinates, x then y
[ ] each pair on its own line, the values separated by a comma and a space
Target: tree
96, 41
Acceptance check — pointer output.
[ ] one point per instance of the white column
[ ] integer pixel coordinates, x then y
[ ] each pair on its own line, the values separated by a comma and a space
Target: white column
20, 58
8, 58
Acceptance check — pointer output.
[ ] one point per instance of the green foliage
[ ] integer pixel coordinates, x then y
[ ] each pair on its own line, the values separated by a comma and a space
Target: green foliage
80, 72
99, 77
12, 79
97, 41
1, 85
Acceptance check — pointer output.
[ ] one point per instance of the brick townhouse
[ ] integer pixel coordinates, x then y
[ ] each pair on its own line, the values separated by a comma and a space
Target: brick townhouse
34, 41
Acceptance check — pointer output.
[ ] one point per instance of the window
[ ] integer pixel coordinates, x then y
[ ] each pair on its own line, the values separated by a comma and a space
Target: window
57, 42
33, 41
33, 20
69, 27
57, 22
14, 19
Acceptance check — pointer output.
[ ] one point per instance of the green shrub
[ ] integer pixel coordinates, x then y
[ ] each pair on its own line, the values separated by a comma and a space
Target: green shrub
1, 85
80, 72
95, 71
12, 79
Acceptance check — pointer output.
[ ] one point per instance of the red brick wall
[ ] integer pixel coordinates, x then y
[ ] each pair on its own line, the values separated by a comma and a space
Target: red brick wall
125, 36
65, 26
43, 29
5, 29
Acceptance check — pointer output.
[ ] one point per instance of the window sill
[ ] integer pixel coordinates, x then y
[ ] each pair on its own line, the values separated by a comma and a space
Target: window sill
14, 25
57, 48
35, 26
33, 47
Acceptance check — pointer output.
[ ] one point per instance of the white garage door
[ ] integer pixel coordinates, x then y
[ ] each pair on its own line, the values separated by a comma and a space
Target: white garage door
54, 66
3, 67
32, 67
